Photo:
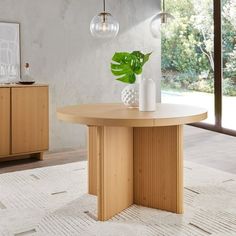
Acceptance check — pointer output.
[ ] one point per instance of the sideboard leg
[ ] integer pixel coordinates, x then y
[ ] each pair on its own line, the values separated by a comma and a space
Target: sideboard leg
92, 159
38, 156
115, 171
41, 156
158, 168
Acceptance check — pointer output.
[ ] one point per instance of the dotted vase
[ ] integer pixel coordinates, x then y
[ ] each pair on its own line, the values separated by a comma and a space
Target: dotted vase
130, 95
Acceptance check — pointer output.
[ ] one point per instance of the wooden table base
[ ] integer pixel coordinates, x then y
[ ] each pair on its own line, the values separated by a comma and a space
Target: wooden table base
142, 166
134, 157
158, 168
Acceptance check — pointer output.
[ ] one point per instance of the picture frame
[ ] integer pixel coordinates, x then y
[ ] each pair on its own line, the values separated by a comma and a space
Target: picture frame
10, 55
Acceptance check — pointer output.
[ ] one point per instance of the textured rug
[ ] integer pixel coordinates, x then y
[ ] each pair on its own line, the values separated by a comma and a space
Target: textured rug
53, 201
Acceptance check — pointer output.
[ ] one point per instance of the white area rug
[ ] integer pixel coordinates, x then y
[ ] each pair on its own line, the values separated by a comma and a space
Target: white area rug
53, 201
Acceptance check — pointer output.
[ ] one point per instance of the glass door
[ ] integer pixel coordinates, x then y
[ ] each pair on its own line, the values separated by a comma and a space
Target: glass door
228, 15
188, 55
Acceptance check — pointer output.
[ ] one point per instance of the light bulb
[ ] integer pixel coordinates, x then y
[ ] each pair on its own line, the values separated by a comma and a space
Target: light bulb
104, 26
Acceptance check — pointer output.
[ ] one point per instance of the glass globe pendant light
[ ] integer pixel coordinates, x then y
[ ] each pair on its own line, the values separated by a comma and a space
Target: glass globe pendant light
161, 20
104, 25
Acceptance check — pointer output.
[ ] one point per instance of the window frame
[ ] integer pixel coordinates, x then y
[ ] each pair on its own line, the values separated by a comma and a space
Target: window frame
218, 74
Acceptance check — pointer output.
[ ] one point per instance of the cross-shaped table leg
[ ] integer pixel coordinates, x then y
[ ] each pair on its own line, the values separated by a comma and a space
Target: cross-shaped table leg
141, 166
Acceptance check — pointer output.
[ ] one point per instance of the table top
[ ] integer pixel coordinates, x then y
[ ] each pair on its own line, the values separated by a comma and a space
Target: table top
120, 115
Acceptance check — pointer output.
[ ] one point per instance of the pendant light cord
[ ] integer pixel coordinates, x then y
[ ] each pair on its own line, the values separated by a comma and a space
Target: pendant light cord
104, 5
163, 6
104, 11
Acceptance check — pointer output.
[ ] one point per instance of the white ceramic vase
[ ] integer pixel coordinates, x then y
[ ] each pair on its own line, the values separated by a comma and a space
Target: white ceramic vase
147, 95
130, 95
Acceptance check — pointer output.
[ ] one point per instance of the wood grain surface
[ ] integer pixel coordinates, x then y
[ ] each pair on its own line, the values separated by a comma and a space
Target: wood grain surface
5, 121
120, 115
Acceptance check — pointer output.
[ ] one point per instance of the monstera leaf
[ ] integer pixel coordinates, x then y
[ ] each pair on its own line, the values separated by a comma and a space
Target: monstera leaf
127, 65
142, 57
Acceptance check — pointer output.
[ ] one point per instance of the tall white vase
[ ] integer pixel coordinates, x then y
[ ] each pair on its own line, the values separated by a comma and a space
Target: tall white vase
147, 95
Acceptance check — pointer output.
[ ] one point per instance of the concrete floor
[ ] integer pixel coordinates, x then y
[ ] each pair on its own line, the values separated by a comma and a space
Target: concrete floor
210, 149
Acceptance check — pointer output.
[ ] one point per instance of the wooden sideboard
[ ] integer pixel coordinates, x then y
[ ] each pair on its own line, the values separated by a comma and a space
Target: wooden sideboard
23, 121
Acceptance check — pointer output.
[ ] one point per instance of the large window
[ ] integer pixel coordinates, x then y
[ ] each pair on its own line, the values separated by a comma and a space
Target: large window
229, 64
199, 59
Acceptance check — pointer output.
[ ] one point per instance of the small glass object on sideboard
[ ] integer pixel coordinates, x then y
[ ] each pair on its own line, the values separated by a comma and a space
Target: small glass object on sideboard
26, 78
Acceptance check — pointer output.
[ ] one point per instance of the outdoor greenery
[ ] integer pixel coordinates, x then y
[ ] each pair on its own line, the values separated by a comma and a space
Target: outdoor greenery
127, 65
188, 46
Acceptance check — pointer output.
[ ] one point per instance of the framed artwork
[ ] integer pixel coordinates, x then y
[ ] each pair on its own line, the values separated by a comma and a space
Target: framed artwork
9, 52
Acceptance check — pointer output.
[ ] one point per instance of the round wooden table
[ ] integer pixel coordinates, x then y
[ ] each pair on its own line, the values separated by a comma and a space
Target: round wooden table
134, 157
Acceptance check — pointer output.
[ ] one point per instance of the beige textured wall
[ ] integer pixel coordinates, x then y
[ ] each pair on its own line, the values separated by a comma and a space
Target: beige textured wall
56, 42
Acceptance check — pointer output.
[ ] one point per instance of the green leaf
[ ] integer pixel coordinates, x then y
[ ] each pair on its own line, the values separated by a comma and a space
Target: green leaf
146, 57
139, 71
128, 65
120, 56
121, 72
129, 78
120, 69
138, 54
115, 66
